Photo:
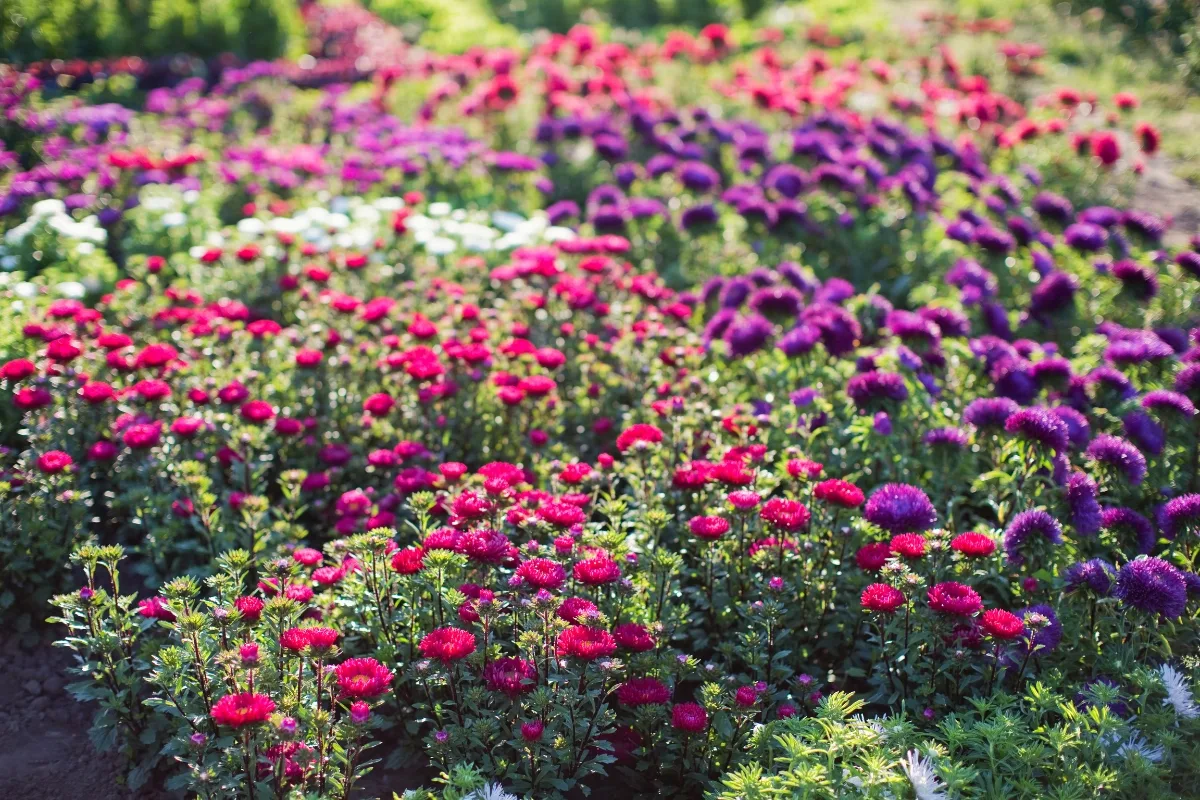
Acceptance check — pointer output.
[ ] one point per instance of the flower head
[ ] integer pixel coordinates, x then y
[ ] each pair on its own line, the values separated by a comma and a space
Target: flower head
239, 710
900, 508
447, 644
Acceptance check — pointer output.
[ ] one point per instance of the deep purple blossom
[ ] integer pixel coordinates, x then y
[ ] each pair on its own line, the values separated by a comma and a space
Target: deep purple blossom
900, 508
1125, 520
1027, 524
988, 413
1152, 585
1082, 493
1120, 455
1039, 425
1095, 575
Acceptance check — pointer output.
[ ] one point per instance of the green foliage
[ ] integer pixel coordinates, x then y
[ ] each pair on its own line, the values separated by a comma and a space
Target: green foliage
31, 30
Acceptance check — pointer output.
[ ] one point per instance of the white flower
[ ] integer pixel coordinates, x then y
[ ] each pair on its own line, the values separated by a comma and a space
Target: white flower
1179, 693
250, 226
48, 208
389, 204
490, 791
924, 780
1139, 746
439, 209
441, 246
173, 219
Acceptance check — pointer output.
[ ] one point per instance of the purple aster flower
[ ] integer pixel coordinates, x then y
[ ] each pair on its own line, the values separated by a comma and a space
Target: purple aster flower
561, 211
1164, 400
748, 334
799, 340
1011, 378
1052, 206
1039, 425
1144, 224
1110, 381
1152, 585
698, 176
900, 508
1104, 216
870, 388
948, 321
1126, 520
1095, 575
1139, 281
1190, 261
994, 240
787, 179
1085, 237
1042, 619
1120, 455
777, 301
1145, 432
1180, 514
882, 424
840, 331
1193, 583
698, 216
735, 292
1187, 382
951, 438
1137, 347
1082, 492
990, 412
967, 274
1025, 525
1052, 294
1052, 371
914, 329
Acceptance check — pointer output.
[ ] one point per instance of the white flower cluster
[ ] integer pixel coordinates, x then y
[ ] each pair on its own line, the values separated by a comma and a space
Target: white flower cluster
51, 215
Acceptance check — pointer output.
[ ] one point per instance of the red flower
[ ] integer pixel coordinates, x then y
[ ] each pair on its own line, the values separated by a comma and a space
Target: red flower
378, 405
408, 561
908, 545
597, 571
689, 718
17, 369
803, 469
363, 677
542, 573
1106, 148
447, 644
643, 692
632, 636
1001, 624
641, 435
871, 557
257, 411
562, 515
308, 556
882, 598
974, 545
1148, 137
239, 710
576, 610
784, 514
709, 527
249, 607
839, 493
586, 643
155, 608
955, 599
53, 462
510, 676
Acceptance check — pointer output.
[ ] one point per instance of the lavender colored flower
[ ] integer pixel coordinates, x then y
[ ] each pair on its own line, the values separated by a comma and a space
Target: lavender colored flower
1136, 279
1190, 261
1180, 514
1052, 371
1144, 224
990, 412
1145, 432
1187, 382
748, 334
1164, 400
1112, 382
948, 321
777, 301
900, 508
1085, 237
840, 331
1104, 216
698, 176
1126, 520
1039, 425
871, 388
1152, 585
1046, 639
882, 424
1082, 492
1120, 455
799, 340
1025, 525
951, 438
1096, 575
719, 324
1053, 293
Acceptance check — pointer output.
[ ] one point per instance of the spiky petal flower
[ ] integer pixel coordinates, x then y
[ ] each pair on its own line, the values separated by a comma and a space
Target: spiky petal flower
1154, 586
925, 782
900, 508
1119, 454
1179, 693
1095, 574
1081, 497
1039, 425
1025, 525
955, 599
362, 678
238, 710
1179, 514
1126, 519
447, 644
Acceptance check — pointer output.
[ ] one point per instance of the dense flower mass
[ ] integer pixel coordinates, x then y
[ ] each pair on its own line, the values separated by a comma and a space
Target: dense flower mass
535, 413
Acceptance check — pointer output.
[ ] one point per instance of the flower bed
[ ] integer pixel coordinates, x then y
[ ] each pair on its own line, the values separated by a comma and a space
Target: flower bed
692, 430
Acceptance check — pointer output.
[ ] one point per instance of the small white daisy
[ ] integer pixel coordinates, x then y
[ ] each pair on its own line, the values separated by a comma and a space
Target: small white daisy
924, 780
490, 791
1179, 693
1138, 745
